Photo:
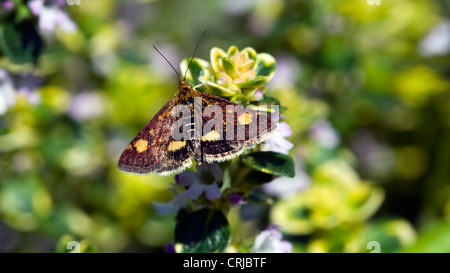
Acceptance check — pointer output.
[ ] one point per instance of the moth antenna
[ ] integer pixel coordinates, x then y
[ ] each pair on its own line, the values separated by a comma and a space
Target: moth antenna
195, 50
167, 62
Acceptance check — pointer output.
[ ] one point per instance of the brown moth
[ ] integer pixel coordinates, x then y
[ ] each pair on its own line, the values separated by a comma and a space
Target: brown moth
213, 129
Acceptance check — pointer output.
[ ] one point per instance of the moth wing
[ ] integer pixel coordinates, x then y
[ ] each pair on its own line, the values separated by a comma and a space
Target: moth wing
240, 129
154, 150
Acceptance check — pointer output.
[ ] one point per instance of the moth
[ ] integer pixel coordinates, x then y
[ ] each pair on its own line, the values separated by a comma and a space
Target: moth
207, 136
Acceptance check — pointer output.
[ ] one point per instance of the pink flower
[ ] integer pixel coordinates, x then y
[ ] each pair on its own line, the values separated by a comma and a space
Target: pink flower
7, 4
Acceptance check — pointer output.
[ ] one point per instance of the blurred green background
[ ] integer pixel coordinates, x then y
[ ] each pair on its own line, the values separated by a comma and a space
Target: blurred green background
367, 92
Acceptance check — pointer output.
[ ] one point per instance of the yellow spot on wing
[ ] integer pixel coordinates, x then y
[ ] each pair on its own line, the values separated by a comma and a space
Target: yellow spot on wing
176, 145
245, 118
128, 147
141, 145
211, 136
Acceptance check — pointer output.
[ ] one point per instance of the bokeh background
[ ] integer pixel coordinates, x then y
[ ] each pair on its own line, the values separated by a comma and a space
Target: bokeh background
367, 92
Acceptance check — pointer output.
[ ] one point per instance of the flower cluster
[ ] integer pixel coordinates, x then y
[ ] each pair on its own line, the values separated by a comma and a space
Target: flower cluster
51, 15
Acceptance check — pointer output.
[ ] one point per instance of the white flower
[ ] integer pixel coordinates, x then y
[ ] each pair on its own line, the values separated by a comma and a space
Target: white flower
437, 42
269, 241
198, 181
86, 106
173, 206
7, 94
277, 142
325, 135
51, 16
14, 86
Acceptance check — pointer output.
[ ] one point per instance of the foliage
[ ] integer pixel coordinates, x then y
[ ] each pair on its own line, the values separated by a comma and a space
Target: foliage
363, 93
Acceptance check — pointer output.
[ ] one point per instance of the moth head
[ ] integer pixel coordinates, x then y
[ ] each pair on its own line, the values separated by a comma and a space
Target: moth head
183, 85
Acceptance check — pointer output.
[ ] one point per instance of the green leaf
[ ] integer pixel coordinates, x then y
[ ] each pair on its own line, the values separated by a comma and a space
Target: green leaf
265, 65
232, 50
203, 231
20, 42
22, 12
268, 100
239, 99
219, 90
229, 68
251, 53
198, 68
433, 239
257, 82
254, 177
271, 162
216, 55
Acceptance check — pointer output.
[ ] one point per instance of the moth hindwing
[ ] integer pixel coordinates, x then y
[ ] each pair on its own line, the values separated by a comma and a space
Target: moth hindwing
194, 124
